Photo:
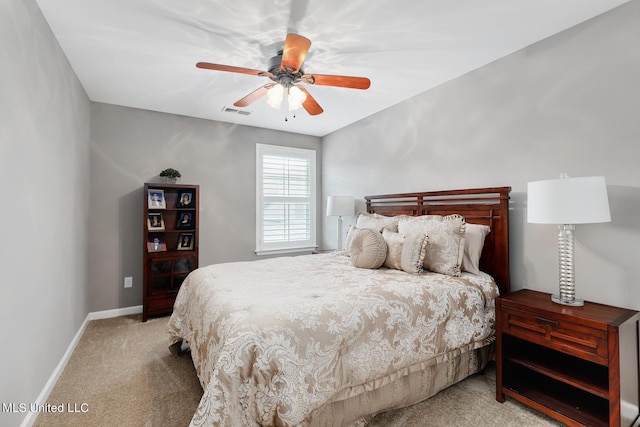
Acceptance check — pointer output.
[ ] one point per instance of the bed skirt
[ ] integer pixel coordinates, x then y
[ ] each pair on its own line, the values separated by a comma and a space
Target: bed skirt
403, 388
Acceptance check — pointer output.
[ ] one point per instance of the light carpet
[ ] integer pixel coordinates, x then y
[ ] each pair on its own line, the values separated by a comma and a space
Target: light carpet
122, 374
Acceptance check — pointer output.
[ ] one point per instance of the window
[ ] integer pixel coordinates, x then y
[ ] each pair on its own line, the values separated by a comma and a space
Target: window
285, 199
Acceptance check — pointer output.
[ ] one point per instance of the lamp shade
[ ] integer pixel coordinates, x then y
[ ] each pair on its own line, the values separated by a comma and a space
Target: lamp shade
275, 95
296, 98
568, 201
340, 206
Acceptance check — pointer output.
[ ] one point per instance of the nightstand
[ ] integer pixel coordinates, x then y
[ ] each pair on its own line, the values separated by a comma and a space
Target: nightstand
578, 365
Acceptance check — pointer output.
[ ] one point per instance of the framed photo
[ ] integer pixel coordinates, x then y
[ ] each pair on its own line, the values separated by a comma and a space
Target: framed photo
155, 221
156, 199
185, 242
186, 199
156, 244
185, 220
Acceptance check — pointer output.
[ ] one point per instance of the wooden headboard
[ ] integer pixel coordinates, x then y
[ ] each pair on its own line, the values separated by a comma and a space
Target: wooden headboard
487, 206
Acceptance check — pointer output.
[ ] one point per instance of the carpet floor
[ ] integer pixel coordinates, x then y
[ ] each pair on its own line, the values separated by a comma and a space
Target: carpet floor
122, 374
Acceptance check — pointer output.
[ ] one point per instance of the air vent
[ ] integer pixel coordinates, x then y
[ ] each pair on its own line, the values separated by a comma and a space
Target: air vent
234, 111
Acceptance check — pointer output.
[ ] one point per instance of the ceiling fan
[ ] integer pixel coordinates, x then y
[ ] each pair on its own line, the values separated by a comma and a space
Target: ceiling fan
285, 71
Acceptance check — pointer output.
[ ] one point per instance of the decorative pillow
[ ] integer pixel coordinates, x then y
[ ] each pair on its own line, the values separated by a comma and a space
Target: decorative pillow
377, 221
405, 253
446, 240
367, 248
347, 242
473, 243
394, 249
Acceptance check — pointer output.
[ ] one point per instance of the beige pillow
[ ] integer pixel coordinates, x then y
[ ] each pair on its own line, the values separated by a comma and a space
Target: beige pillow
377, 221
445, 250
474, 236
367, 248
394, 249
405, 253
347, 242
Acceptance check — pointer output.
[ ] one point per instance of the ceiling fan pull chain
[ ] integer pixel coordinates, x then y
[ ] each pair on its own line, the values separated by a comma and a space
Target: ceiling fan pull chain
286, 105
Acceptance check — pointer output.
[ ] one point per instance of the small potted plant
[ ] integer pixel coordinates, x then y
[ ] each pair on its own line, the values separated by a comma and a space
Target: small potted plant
170, 175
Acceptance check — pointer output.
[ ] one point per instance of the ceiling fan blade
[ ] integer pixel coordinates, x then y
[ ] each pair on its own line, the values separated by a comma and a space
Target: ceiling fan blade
310, 104
254, 96
339, 81
232, 69
295, 50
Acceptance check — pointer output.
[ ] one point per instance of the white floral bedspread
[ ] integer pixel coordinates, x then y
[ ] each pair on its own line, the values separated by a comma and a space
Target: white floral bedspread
274, 339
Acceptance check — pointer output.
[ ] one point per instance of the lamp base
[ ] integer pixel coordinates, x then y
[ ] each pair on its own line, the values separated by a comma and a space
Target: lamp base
339, 249
574, 302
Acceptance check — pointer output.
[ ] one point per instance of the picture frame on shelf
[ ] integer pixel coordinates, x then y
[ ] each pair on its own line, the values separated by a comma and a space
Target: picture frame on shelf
156, 199
185, 242
186, 199
155, 222
156, 244
185, 220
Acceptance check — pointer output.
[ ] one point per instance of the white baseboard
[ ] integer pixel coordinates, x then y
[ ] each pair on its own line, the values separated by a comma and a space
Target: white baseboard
117, 312
44, 394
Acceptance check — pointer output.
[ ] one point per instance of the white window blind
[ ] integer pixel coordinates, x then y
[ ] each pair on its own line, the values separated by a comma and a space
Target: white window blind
286, 199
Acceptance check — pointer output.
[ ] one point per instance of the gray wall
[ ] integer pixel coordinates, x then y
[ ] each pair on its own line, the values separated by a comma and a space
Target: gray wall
44, 168
130, 147
570, 103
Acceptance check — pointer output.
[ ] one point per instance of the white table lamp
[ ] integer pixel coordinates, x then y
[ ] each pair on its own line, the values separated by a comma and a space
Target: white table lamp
340, 206
566, 202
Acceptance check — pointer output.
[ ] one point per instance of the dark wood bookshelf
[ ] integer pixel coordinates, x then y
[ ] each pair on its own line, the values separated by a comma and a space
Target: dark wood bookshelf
168, 262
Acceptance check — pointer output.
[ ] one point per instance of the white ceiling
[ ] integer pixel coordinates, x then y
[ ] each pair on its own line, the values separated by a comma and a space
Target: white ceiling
142, 53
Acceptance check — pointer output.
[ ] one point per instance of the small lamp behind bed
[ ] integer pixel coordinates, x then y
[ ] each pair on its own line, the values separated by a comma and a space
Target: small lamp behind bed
340, 206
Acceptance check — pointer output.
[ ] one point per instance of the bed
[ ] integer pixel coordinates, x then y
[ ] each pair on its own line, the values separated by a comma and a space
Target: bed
313, 340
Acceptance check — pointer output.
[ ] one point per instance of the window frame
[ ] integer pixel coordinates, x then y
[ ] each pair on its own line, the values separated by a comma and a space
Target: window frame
283, 247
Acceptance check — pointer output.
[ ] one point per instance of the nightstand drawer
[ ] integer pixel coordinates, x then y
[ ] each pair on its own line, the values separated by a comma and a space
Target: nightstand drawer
549, 331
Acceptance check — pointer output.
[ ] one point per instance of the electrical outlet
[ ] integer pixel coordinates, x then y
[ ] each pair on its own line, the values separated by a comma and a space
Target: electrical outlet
128, 282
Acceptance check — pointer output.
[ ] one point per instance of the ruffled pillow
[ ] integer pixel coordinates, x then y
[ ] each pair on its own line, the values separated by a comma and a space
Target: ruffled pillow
367, 248
405, 252
446, 240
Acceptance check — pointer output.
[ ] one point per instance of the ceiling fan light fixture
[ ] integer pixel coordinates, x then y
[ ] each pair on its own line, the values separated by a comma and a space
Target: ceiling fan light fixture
275, 96
296, 98
285, 71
